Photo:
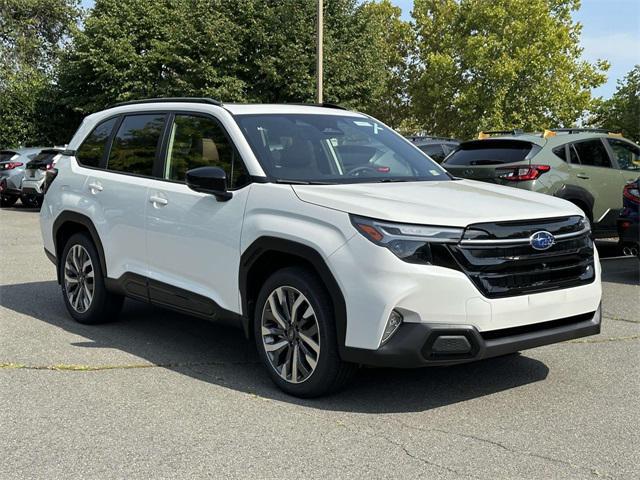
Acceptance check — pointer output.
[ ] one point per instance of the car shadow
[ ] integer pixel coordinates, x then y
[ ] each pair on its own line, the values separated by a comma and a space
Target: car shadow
621, 270
221, 355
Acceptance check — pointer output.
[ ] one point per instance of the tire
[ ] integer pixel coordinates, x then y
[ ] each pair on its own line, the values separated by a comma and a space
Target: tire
329, 373
97, 306
31, 201
7, 201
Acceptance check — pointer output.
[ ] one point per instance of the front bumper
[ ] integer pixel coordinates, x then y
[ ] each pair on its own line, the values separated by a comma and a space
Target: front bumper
417, 344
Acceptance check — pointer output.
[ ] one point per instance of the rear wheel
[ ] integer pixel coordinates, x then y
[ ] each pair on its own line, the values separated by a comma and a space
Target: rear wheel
83, 288
8, 200
296, 336
31, 201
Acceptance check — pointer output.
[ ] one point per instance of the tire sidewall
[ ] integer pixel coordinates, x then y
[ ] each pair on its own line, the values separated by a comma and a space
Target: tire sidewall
328, 361
94, 311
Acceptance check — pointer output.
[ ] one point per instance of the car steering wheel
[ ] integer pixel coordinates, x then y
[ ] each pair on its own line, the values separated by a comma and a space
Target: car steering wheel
356, 171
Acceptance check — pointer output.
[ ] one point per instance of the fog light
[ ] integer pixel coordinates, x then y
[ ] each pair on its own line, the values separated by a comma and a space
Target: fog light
395, 320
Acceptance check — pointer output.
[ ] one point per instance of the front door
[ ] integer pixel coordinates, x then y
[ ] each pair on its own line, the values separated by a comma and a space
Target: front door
193, 239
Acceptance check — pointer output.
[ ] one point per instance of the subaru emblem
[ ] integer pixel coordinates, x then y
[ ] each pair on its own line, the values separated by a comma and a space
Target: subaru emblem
542, 240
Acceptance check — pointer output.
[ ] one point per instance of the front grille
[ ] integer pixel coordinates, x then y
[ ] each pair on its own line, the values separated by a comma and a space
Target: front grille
501, 262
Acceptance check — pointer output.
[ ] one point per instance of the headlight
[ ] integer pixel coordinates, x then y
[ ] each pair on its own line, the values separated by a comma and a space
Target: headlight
584, 223
411, 243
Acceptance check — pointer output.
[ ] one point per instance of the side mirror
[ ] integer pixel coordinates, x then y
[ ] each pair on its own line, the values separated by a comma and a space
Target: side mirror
212, 180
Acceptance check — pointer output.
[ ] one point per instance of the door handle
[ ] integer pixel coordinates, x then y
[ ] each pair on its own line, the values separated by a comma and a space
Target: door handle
95, 187
158, 201
582, 175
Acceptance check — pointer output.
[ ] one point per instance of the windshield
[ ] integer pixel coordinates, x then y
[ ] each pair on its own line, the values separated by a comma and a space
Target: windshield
334, 149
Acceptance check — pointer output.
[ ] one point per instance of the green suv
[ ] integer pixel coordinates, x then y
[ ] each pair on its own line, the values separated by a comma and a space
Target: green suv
588, 167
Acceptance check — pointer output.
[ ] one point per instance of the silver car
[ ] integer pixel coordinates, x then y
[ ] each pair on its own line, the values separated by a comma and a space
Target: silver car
13, 163
37, 175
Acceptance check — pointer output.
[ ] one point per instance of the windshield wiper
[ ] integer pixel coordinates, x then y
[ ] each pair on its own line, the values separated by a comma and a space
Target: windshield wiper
302, 182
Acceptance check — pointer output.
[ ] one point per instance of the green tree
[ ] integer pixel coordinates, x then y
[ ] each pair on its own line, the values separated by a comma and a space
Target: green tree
246, 50
621, 113
392, 47
32, 36
135, 49
500, 64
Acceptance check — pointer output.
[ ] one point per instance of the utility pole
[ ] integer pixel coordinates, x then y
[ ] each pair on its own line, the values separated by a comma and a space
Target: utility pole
319, 73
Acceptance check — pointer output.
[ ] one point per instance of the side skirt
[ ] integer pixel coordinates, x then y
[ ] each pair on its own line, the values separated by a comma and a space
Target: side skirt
139, 287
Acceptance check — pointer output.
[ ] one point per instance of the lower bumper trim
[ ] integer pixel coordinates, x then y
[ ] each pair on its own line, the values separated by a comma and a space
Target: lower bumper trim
412, 345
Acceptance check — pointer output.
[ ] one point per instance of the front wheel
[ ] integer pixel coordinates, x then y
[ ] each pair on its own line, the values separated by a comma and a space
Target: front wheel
83, 288
296, 337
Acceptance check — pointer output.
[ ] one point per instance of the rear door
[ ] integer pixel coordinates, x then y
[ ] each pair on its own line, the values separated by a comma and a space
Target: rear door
593, 170
194, 239
479, 159
119, 191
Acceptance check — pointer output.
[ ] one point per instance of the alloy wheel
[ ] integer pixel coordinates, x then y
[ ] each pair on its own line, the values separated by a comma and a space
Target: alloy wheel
290, 334
79, 278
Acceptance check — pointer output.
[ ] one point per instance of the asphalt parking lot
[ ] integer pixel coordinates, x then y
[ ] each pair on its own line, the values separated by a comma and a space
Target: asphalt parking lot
162, 395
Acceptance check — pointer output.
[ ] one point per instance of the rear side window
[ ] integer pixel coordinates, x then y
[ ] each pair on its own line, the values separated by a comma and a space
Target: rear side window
627, 155
560, 152
592, 153
136, 144
91, 152
197, 141
434, 151
491, 152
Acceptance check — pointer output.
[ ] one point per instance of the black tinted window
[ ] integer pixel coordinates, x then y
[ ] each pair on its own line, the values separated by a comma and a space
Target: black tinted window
200, 142
91, 151
434, 151
42, 159
593, 153
561, 152
134, 146
490, 152
627, 155
6, 155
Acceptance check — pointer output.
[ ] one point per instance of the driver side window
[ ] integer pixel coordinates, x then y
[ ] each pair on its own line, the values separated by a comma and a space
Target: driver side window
198, 141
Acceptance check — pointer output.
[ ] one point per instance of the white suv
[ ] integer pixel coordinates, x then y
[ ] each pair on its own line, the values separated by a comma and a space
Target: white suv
331, 239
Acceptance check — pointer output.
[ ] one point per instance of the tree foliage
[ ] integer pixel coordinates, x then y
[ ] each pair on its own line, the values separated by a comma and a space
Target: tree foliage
32, 35
499, 64
246, 50
621, 113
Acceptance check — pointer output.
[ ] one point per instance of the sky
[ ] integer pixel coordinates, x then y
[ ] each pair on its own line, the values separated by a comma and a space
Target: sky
610, 31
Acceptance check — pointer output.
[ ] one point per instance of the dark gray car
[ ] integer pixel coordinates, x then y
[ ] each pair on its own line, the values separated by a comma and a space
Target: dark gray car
436, 147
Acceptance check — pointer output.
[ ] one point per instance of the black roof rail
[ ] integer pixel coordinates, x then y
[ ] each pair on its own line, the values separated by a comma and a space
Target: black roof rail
415, 138
324, 105
579, 130
209, 101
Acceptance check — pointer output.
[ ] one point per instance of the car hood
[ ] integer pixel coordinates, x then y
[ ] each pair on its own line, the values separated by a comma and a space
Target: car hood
452, 203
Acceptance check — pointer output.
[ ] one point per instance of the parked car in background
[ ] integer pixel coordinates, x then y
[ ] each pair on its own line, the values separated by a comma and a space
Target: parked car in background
13, 163
628, 223
588, 167
436, 147
36, 176
323, 233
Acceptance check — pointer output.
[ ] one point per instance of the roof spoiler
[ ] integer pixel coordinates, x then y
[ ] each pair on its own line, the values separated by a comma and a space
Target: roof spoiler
488, 133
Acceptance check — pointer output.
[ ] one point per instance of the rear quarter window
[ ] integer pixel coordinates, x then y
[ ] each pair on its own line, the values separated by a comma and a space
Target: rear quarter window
492, 152
91, 152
